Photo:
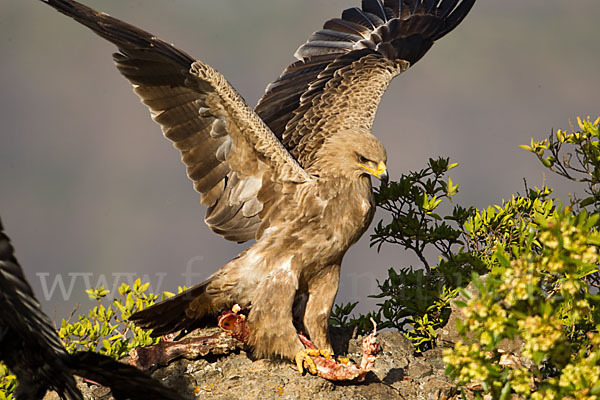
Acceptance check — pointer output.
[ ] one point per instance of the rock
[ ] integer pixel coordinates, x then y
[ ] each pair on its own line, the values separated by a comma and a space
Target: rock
448, 335
399, 373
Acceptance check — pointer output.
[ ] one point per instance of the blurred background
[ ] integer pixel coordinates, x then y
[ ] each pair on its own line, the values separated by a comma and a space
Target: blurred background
92, 193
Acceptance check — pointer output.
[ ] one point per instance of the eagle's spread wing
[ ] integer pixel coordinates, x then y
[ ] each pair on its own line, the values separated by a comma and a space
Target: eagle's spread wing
337, 83
32, 349
226, 147
344, 68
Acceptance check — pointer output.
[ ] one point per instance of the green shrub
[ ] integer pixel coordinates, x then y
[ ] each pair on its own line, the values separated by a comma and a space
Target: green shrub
575, 156
541, 265
542, 289
106, 329
536, 292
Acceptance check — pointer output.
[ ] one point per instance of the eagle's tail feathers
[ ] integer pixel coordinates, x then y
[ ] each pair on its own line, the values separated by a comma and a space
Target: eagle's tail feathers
171, 315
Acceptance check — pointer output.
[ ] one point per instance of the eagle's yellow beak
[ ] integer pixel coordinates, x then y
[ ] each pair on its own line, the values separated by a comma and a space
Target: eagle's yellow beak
379, 173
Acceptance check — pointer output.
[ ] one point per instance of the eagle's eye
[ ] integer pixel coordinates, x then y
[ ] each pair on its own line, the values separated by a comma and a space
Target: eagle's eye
362, 159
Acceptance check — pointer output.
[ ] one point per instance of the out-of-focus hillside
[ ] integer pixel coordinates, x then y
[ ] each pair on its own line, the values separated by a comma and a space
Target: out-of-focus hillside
89, 187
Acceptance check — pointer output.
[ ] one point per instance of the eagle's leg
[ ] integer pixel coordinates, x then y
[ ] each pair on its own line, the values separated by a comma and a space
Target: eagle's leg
322, 289
270, 326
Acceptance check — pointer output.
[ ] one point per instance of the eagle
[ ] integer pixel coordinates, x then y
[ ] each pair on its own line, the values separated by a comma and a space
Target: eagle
32, 350
293, 174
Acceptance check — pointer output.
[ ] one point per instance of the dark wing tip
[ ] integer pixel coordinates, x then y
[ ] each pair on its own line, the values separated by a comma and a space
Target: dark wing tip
384, 26
125, 381
125, 36
395, 29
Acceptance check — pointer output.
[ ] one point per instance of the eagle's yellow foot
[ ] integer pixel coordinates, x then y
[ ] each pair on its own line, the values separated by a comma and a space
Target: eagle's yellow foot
322, 364
305, 356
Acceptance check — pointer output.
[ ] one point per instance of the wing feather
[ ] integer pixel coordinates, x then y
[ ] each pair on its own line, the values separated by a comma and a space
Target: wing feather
220, 138
341, 74
375, 7
383, 34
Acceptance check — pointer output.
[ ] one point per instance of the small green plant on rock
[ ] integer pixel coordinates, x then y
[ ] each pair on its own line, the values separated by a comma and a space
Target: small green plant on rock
106, 329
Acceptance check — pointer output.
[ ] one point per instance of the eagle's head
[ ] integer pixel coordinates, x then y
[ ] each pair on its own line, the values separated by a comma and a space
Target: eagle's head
353, 154
371, 158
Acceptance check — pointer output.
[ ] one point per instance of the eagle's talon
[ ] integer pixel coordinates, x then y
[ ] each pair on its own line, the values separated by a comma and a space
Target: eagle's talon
305, 356
321, 362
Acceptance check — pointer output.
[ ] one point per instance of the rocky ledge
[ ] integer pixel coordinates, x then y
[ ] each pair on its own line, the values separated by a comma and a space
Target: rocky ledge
229, 372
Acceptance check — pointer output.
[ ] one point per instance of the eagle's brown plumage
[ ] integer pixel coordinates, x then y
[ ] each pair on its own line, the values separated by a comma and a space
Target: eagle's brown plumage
31, 348
294, 173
